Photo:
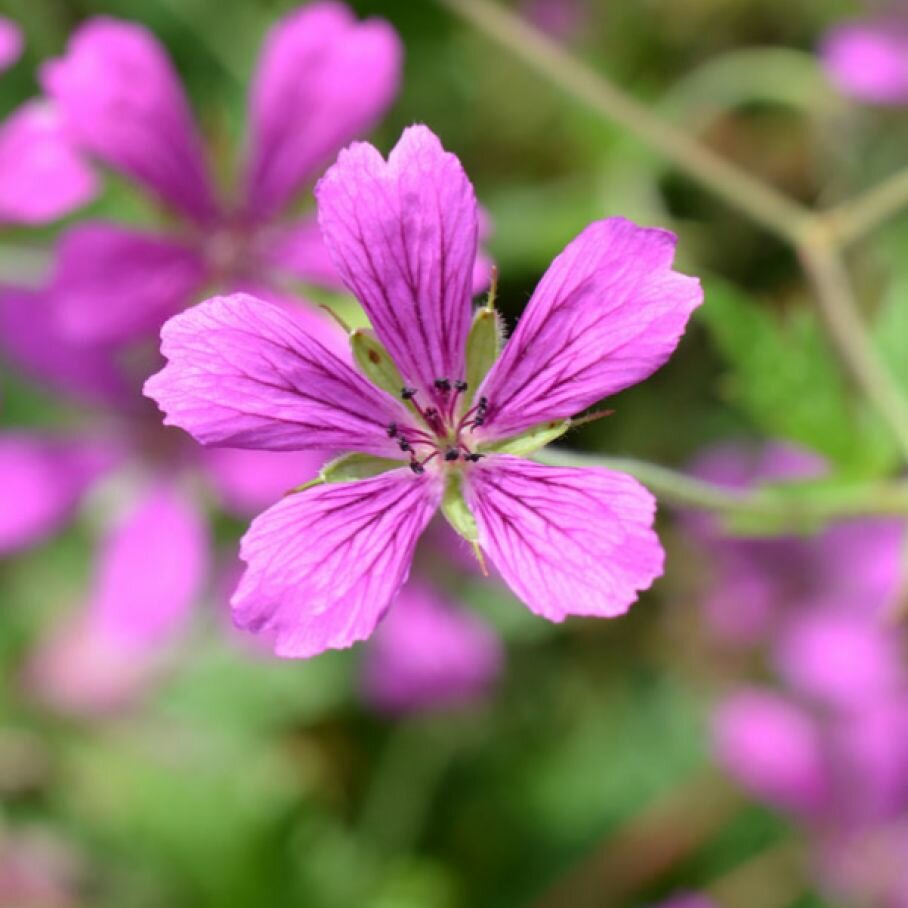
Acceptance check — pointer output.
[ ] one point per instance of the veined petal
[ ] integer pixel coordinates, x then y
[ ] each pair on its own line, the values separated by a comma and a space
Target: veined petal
403, 234
324, 79
608, 312
245, 373
567, 541
30, 338
151, 568
42, 175
112, 285
324, 565
42, 479
124, 104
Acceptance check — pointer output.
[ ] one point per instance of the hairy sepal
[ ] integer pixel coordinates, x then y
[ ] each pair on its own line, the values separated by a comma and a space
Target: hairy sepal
375, 362
483, 345
532, 440
348, 468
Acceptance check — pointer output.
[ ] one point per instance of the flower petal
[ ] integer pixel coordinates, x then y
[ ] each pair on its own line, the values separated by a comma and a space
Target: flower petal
249, 481
324, 565
323, 80
300, 251
151, 568
427, 654
123, 103
608, 312
868, 61
774, 749
30, 338
10, 43
245, 373
113, 285
403, 234
42, 175
42, 479
567, 541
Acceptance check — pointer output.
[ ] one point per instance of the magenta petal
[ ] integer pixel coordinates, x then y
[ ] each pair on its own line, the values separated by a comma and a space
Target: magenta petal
113, 285
150, 572
124, 104
42, 176
324, 565
428, 654
42, 479
249, 481
30, 338
403, 235
608, 312
10, 43
245, 373
324, 79
300, 251
869, 61
567, 541
773, 749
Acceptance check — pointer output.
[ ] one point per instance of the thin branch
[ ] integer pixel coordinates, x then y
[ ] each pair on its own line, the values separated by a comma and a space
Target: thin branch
781, 508
840, 312
764, 204
814, 235
857, 217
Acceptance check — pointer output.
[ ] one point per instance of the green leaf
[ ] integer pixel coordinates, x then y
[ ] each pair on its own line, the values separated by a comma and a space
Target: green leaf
783, 374
532, 440
375, 361
483, 346
456, 510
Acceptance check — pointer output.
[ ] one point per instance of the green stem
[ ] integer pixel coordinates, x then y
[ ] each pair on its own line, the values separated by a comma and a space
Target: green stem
857, 217
783, 508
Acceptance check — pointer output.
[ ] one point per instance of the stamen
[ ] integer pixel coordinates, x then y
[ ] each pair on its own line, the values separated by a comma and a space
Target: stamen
443, 384
460, 385
417, 467
408, 393
473, 456
404, 445
393, 430
452, 454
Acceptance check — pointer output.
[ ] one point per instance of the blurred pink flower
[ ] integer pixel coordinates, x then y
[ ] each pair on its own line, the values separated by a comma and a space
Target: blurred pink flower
759, 583
323, 79
868, 59
561, 19
42, 176
37, 870
153, 559
10, 43
428, 654
324, 565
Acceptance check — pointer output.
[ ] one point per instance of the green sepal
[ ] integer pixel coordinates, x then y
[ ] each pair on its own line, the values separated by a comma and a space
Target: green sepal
348, 468
375, 361
456, 510
532, 440
483, 346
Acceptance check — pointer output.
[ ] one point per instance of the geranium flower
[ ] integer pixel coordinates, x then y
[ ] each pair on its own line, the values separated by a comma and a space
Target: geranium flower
10, 43
324, 564
323, 79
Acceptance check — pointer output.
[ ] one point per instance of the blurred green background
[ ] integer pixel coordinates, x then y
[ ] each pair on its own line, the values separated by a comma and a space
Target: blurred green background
584, 779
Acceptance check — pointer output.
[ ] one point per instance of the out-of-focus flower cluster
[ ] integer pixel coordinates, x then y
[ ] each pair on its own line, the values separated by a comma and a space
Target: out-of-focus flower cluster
828, 742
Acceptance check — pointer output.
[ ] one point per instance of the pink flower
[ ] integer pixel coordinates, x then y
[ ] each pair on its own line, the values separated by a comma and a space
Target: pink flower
759, 583
42, 176
428, 654
324, 565
868, 59
10, 43
322, 80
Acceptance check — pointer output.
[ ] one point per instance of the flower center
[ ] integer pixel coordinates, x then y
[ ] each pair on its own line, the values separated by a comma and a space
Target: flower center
444, 429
